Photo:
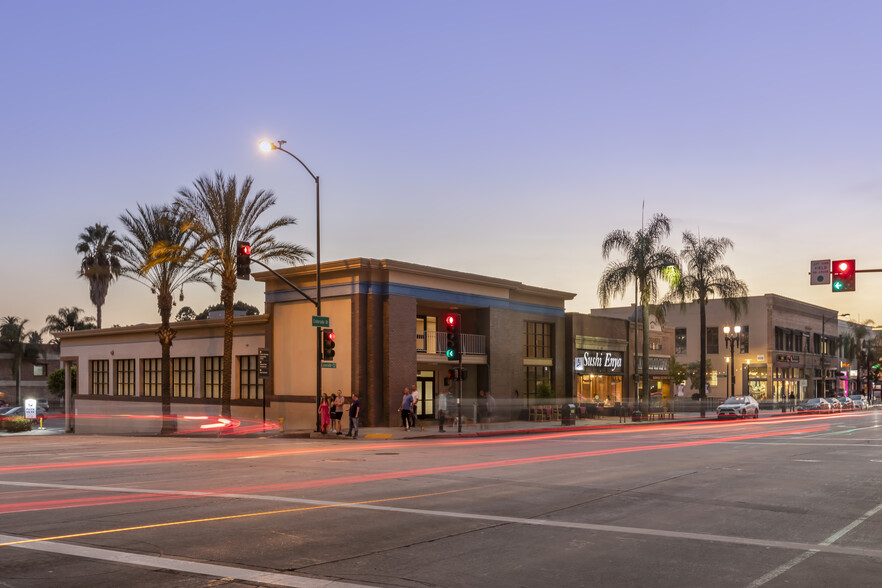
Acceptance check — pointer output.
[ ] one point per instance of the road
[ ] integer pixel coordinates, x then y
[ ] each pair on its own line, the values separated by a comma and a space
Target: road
770, 502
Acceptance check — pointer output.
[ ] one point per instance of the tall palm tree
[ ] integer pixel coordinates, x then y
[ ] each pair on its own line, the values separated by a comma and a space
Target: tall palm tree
68, 319
646, 261
22, 344
705, 277
161, 253
100, 250
223, 212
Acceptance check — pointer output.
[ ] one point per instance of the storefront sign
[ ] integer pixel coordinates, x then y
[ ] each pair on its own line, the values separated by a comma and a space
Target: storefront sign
599, 362
788, 359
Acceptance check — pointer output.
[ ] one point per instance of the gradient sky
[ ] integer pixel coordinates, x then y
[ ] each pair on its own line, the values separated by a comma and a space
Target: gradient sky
534, 127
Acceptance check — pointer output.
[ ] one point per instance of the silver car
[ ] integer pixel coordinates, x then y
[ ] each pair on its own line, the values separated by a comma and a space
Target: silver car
738, 407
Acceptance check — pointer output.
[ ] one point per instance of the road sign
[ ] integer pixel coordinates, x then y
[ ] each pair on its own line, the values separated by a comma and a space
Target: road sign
820, 272
321, 321
329, 364
30, 408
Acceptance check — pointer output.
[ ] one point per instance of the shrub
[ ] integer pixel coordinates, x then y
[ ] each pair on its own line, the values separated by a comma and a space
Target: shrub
16, 425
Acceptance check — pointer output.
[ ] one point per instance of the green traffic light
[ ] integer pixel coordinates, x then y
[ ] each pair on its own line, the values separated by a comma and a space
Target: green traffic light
838, 285
450, 353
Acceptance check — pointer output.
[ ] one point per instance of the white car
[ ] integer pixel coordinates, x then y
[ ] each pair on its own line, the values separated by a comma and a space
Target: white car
738, 407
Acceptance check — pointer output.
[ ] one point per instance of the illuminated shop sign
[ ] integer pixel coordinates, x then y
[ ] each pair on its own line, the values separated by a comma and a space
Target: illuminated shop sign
599, 362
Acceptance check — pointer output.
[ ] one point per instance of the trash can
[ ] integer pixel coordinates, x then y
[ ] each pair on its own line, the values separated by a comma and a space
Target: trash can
568, 415
637, 416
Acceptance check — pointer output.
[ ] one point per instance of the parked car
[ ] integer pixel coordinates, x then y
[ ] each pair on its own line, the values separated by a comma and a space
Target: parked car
814, 405
738, 407
835, 405
19, 411
860, 402
846, 402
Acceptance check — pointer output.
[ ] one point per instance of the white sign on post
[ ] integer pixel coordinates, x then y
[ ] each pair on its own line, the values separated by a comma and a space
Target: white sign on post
30, 408
820, 272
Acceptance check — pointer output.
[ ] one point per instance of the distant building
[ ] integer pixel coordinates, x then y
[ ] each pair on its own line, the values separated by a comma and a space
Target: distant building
785, 346
34, 375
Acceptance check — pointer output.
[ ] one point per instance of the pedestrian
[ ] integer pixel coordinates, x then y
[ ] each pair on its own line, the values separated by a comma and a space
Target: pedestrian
414, 391
338, 408
404, 409
354, 412
325, 412
442, 410
792, 402
482, 408
491, 406
332, 399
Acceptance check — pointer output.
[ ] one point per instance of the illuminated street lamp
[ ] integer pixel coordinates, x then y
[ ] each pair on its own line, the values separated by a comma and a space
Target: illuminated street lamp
266, 147
733, 335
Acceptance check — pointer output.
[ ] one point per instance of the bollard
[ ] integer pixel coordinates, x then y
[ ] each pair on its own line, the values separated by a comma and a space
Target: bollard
281, 424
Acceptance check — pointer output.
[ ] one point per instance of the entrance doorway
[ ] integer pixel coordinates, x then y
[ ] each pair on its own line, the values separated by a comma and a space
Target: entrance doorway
426, 390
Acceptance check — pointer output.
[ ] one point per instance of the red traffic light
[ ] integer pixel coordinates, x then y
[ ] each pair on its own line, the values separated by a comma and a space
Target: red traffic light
330, 335
843, 275
244, 249
450, 320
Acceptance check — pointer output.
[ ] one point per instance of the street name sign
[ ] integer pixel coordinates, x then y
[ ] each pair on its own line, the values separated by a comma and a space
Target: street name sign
820, 272
329, 364
321, 321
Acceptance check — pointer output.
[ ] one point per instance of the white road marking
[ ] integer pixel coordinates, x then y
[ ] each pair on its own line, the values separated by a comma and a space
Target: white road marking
789, 545
190, 567
804, 556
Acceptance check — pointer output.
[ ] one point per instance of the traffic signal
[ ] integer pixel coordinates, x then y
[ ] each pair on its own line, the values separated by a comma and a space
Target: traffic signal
453, 336
328, 344
243, 260
843, 275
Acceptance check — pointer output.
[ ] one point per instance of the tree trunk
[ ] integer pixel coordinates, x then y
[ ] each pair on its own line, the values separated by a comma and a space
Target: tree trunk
228, 292
166, 335
702, 359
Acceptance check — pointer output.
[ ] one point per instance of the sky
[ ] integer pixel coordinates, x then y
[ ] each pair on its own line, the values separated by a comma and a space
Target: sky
502, 138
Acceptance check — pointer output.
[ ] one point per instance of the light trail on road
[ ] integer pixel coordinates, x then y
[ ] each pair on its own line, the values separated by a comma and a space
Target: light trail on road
691, 428
418, 472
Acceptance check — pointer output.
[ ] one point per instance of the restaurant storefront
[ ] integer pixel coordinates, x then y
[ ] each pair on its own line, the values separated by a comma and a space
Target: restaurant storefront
598, 375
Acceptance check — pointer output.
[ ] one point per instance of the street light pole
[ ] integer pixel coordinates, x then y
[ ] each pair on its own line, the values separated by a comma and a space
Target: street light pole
732, 335
266, 147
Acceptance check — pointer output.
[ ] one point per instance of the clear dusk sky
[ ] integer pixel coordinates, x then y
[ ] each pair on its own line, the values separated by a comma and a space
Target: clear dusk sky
535, 128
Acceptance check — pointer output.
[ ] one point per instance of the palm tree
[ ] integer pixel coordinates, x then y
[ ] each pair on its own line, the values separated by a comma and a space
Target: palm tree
646, 261
223, 213
160, 252
100, 249
857, 346
22, 344
68, 319
705, 278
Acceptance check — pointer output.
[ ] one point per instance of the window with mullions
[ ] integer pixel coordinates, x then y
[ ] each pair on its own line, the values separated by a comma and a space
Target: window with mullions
680, 341
183, 374
125, 377
539, 382
250, 386
745, 340
212, 374
99, 372
713, 340
152, 376
537, 339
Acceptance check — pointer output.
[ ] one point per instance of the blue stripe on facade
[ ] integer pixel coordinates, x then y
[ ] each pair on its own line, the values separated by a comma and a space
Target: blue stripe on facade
419, 293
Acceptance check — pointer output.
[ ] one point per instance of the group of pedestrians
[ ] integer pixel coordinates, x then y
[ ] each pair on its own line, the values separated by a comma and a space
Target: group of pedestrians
332, 407
331, 411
